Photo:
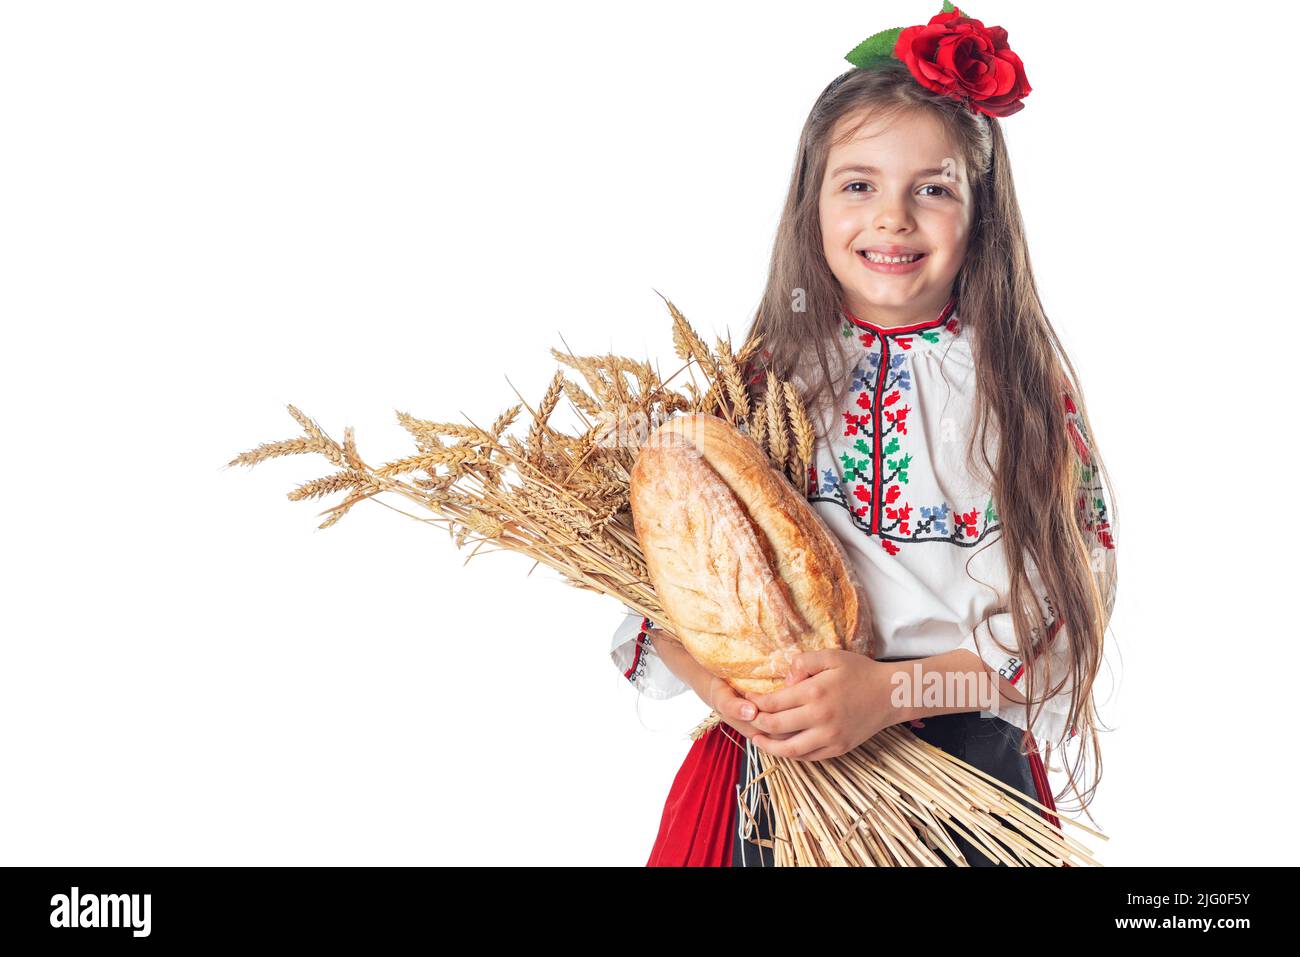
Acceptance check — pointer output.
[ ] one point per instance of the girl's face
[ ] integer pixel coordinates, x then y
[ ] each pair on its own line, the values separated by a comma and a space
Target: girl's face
897, 188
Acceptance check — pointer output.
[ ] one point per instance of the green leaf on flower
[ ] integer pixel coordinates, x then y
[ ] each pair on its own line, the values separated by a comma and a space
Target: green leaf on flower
892, 447
875, 49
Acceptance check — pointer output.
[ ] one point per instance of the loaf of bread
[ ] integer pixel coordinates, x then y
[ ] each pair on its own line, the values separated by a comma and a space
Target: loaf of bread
747, 573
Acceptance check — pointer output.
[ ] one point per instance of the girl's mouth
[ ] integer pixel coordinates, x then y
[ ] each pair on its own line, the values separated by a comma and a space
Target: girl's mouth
891, 265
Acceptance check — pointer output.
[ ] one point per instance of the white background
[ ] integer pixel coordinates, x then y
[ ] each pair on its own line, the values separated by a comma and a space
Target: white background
211, 210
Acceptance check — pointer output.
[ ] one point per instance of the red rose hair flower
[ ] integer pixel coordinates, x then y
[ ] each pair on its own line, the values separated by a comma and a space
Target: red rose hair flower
957, 56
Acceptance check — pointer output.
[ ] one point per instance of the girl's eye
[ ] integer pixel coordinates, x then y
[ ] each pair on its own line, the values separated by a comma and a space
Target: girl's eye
943, 190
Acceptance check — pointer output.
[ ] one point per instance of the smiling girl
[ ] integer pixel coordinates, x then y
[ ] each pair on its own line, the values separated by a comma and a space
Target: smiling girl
954, 459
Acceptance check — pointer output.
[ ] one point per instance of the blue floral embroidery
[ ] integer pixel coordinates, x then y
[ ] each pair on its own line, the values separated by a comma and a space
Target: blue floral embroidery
938, 514
861, 378
903, 379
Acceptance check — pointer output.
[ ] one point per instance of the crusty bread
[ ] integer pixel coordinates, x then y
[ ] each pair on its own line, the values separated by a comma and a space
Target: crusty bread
747, 573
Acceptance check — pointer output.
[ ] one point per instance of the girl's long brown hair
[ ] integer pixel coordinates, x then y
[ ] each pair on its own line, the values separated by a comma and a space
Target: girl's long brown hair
1023, 379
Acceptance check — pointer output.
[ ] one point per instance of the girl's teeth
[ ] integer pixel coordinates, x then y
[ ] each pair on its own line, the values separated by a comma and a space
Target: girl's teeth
878, 258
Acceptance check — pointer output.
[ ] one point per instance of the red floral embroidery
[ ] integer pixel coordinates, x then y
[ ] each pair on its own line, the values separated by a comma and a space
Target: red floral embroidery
1091, 503
901, 515
899, 417
854, 422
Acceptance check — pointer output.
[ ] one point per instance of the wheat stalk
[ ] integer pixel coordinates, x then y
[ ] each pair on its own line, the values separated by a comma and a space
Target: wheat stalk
805, 437
758, 426
778, 438
734, 381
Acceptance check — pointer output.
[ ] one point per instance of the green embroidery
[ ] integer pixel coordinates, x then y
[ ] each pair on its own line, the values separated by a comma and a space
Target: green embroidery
901, 466
853, 467
930, 336
990, 513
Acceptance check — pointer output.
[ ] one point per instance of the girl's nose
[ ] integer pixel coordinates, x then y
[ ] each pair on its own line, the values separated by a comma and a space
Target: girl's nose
892, 213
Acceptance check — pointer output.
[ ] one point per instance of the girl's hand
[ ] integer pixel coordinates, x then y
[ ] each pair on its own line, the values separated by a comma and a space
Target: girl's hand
835, 700
723, 699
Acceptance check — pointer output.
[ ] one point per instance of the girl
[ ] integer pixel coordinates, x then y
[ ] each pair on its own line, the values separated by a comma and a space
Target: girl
901, 300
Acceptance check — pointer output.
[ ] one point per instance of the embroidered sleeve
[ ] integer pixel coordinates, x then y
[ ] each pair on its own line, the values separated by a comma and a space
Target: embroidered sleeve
992, 638
634, 655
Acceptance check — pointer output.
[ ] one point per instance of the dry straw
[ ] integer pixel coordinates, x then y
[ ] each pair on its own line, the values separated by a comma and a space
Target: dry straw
561, 497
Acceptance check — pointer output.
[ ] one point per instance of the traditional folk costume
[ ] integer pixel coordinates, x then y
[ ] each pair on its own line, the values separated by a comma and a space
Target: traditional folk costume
913, 521
891, 480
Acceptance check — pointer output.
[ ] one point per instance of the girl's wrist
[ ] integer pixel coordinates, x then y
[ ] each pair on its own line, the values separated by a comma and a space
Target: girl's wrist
948, 683
679, 661
897, 679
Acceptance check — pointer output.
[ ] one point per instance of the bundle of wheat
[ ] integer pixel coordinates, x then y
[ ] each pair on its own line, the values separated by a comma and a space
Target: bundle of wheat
562, 498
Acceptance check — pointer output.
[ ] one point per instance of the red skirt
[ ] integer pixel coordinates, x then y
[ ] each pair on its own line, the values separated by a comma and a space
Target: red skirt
700, 826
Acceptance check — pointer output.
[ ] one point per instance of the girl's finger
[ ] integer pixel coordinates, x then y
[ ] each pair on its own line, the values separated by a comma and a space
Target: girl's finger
805, 742
786, 722
735, 708
822, 754
791, 696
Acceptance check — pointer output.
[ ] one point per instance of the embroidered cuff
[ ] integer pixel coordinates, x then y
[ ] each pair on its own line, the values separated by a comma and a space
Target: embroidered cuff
988, 641
634, 655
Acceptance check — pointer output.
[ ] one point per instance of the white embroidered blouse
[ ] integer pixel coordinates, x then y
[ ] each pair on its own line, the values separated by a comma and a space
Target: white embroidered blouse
911, 516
